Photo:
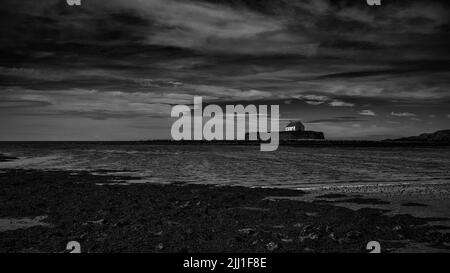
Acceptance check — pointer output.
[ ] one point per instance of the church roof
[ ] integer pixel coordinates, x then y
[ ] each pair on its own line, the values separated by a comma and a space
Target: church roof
298, 125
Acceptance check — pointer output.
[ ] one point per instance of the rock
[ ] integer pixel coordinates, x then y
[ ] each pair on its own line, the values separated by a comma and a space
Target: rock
157, 233
122, 223
185, 205
271, 246
353, 235
311, 236
397, 228
311, 214
96, 222
247, 231
332, 236
173, 223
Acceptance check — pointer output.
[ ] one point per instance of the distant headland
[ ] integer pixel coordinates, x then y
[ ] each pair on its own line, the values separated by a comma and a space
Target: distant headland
438, 136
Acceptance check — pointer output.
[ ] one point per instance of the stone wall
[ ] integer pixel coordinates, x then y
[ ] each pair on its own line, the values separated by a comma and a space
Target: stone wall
293, 135
301, 135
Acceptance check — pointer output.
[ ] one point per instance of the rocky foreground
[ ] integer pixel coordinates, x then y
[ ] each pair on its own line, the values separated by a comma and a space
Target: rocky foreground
105, 215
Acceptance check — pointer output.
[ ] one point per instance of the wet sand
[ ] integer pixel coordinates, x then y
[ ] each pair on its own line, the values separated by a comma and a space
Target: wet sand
105, 214
420, 200
22, 223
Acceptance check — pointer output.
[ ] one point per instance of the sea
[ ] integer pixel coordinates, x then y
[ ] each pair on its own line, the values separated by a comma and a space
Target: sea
294, 167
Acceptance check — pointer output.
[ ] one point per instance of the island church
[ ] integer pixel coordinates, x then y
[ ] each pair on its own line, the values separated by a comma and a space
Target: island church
295, 130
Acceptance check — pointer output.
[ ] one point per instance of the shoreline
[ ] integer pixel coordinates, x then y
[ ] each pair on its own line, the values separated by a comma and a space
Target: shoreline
418, 200
300, 143
195, 218
4, 158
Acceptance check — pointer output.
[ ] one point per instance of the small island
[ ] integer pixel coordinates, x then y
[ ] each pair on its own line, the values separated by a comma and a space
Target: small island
295, 130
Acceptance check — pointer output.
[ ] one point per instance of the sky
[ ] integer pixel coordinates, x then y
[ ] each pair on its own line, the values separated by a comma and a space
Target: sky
113, 69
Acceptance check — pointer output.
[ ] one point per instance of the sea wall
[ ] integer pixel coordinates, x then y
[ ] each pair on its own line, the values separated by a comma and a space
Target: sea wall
292, 135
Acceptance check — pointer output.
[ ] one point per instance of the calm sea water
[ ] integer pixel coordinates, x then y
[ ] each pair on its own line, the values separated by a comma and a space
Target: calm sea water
288, 167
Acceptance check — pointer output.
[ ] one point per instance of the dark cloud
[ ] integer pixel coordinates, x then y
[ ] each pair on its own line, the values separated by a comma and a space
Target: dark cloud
95, 114
117, 58
338, 120
17, 104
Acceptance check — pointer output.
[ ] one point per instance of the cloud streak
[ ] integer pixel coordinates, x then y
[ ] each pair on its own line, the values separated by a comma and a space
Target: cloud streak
403, 114
367, 113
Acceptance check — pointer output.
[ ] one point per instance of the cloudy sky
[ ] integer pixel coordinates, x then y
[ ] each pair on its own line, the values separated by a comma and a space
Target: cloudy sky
112, 69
